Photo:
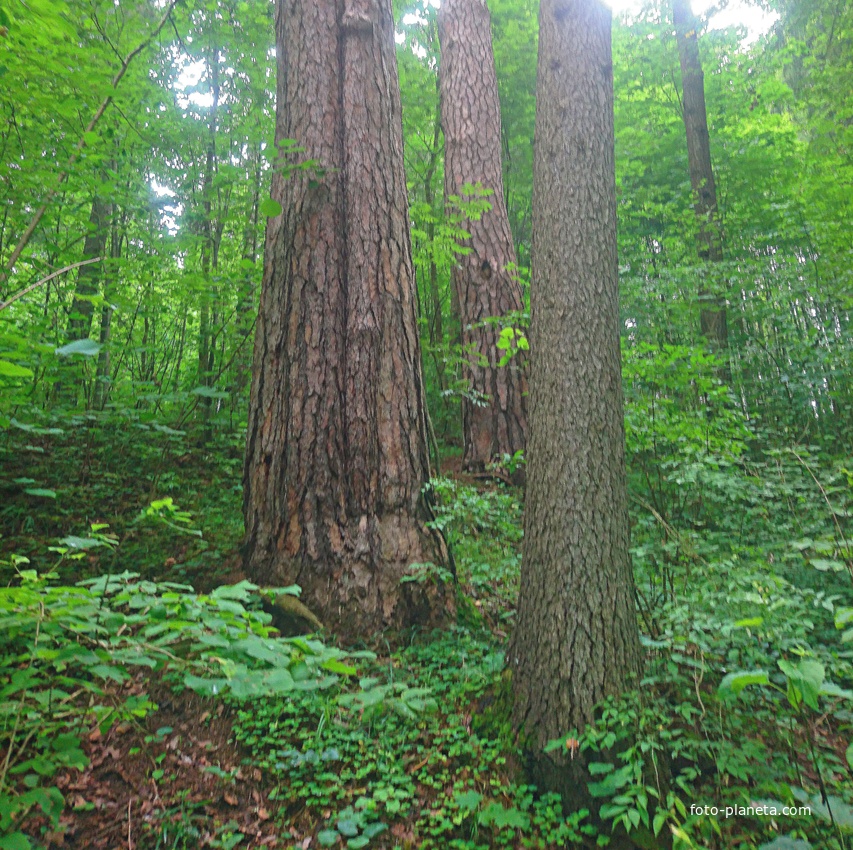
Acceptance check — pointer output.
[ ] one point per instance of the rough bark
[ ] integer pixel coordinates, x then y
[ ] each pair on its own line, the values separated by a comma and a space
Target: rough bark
576, 639
495, 417
336, 457
712, 309
436, 324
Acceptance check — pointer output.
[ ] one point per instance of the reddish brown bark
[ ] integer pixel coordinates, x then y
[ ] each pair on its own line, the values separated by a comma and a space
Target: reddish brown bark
495, 418
336, 456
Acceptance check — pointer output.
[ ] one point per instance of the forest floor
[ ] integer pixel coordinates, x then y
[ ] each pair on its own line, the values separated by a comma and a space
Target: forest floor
422, 754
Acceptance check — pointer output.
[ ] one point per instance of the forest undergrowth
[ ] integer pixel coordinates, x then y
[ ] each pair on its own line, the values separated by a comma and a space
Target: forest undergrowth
234, 738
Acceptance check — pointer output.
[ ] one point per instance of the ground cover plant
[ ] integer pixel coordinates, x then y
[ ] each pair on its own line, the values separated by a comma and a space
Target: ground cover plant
746, 699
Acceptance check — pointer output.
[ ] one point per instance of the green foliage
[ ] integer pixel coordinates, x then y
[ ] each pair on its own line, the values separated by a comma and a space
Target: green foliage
483, 527
66, 647
736, 710
403, 748
739, 462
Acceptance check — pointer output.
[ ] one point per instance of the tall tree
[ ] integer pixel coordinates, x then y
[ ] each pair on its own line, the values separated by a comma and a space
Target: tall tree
94, 246
576, 639
712, 315
336, 459
494, 411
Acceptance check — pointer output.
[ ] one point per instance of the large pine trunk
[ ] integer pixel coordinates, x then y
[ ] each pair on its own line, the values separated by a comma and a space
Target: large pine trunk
336, 458
576, 639
486, 284
712, 308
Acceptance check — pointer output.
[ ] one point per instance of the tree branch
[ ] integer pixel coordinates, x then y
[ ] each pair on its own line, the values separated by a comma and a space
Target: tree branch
24, 241
23, 292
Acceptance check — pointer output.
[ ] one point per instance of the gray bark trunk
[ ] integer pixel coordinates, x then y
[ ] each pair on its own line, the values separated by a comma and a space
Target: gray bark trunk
576, 639
82, 310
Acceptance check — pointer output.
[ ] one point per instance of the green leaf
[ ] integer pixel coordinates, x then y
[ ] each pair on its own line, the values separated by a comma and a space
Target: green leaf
328, 837
830, 689
612, 783
209, 392
278, 681
749, 623
373, 829
86, 347
81, 542
842, 813
347, 827
849, 755
15, 841
165, 429
206, 687
66, 742
241, 592
827, 566
735, 682
785, 843
270, 208
598, 768
468, 801
804, 681
40, 491
495, 814
12, 370
335, 666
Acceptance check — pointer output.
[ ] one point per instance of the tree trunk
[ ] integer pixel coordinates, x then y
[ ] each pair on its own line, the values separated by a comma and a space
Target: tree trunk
436, 324
336, 459
209, 249
82, 309
712, 308
495, 416
246, 294
102, 377
576, 639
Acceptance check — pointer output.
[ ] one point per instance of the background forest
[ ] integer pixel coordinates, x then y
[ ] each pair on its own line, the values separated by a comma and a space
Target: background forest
144, 700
